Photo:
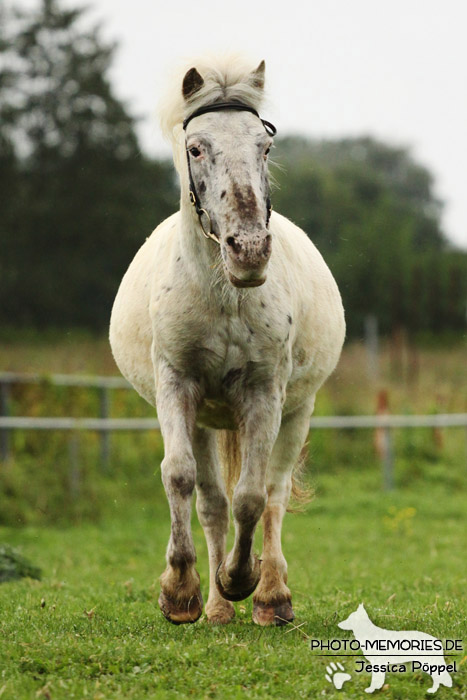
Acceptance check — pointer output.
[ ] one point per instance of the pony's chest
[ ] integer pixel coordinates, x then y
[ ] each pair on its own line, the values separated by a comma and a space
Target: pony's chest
220, 349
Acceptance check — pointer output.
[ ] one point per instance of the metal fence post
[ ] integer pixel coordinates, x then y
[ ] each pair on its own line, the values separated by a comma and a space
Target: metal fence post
104, 410
4, 411
75, 472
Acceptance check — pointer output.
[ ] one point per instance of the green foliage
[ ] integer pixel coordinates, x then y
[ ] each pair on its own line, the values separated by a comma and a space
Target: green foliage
371, 211
56, 98
77, 198
14, 566
60, 477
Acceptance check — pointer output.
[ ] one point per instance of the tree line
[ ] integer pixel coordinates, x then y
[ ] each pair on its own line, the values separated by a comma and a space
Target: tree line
78, 197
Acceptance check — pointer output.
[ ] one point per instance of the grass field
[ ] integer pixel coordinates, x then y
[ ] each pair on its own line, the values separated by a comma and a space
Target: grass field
91, 627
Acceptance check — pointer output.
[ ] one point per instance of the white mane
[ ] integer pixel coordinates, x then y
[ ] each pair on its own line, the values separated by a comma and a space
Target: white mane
226, 77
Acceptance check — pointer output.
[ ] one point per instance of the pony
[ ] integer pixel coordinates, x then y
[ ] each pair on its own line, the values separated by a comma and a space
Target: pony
227, 321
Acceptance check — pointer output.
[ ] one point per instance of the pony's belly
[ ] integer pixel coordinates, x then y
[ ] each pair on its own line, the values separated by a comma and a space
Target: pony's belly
216, 414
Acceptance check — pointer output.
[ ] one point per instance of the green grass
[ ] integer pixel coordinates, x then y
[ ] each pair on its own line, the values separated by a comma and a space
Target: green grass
91, 628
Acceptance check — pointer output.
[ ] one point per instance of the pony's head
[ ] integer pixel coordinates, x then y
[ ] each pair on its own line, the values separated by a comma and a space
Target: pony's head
221, 157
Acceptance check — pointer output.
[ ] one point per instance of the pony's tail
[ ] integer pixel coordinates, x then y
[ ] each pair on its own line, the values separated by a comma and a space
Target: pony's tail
230, 455
228, 443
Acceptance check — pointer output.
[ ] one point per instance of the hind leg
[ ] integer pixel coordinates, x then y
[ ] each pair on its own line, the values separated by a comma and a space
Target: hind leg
272, 602
259, 419
212, 506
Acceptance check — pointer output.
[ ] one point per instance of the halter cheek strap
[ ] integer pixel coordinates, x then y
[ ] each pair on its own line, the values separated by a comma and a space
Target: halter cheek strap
194, 197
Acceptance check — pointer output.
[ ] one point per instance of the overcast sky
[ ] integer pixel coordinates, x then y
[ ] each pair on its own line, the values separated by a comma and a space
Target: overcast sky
396, 70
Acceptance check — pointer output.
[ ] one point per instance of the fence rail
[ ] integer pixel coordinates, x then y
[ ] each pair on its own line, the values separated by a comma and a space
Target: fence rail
105, 425
440, 420
83, 380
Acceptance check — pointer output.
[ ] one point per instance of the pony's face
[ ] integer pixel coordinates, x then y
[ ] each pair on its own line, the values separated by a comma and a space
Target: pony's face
228, 154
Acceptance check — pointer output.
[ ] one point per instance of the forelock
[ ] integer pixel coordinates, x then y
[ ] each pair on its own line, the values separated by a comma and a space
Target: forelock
226, 77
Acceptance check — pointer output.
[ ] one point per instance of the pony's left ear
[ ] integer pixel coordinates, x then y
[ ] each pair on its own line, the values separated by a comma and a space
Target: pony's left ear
256, 77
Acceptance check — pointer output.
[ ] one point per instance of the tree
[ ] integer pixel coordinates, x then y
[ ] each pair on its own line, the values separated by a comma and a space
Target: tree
371, 211
81, 196
56, 99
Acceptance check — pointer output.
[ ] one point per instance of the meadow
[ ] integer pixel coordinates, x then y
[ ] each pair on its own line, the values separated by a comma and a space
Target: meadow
90, 628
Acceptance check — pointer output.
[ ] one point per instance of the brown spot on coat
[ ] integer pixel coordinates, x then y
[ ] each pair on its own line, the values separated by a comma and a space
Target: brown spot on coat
245, 201
183, 484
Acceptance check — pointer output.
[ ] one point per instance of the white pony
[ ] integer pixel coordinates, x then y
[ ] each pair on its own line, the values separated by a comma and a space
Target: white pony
234, 335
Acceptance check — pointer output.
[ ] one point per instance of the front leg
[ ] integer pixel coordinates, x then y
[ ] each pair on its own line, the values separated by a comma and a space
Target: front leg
177, 399
238, 575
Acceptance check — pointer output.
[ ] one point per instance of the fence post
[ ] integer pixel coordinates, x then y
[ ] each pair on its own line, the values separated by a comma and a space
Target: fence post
383, 442
75, 472
388, 460
4, 411
104, 406
372, 346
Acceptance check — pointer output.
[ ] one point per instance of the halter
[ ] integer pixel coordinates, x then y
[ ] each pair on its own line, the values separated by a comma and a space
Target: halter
194, 197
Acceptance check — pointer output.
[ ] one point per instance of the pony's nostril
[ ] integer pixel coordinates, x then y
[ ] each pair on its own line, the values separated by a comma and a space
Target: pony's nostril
267, 245
234, 244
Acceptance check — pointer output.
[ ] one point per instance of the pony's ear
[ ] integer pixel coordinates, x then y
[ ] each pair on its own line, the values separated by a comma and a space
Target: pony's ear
256, 77
192, 82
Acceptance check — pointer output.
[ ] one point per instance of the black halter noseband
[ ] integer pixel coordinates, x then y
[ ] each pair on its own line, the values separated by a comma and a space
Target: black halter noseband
194, 197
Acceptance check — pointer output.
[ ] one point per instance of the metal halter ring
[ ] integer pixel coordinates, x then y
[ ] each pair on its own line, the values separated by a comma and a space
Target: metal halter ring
200, 211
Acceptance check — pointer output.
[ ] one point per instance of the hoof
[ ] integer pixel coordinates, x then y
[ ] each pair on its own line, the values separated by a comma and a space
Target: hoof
241, 588
181, 613
279, 615
221, 613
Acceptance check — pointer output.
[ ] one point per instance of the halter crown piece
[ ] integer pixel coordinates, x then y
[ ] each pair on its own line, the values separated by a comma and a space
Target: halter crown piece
194, 197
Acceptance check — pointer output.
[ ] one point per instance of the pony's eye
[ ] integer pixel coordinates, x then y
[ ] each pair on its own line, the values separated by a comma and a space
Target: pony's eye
195, 152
